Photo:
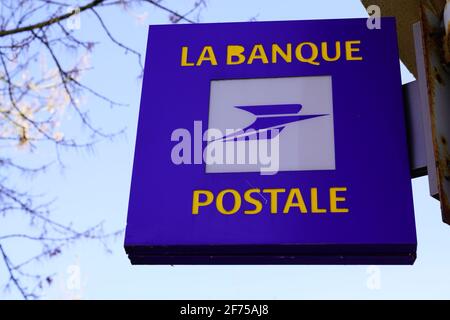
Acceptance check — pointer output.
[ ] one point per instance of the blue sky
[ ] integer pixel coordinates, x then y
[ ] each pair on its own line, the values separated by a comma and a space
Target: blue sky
95, 187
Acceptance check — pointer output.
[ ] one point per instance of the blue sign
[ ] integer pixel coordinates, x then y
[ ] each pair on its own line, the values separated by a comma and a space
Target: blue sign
271, 143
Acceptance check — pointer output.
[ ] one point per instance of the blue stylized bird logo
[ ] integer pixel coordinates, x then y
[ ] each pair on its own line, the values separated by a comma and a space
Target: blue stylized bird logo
269, 117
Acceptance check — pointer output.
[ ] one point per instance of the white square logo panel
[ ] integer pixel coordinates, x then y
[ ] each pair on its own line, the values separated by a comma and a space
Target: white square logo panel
300, 108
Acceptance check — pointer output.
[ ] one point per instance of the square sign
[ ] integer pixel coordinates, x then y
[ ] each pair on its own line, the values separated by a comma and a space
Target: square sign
271, 143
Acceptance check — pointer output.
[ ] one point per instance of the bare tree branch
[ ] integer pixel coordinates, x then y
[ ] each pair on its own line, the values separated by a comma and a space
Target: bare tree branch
49, 21
39, 89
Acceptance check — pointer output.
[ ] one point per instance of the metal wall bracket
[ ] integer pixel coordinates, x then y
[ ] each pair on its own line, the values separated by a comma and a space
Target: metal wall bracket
425, 49
434, 89
415, 130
